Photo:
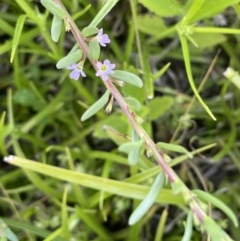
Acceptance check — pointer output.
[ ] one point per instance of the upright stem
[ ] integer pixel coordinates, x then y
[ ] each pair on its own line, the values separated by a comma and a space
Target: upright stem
172, 176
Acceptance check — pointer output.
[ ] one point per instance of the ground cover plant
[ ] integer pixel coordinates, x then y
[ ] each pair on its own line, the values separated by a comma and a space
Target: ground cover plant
119, 120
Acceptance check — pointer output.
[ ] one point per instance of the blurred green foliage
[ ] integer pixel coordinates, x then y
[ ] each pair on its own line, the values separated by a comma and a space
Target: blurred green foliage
41, 109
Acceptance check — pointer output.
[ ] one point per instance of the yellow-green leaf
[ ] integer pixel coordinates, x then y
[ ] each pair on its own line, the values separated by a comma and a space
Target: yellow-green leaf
98, 105
17, 34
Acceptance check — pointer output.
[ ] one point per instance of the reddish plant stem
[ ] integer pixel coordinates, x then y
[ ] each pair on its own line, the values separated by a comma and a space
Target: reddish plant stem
172, 176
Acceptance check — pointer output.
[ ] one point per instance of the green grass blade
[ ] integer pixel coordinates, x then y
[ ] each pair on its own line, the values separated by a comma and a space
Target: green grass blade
188, 229
217, 203
98, 105
186, 57
65, 232
103, 184
148, 201
17, 34
22, 225
103, 12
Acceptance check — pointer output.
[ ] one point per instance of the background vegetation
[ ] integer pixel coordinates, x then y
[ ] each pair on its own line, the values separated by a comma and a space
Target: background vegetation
41, 109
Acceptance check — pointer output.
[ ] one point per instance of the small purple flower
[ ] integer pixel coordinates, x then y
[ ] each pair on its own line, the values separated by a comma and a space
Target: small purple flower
77, 71
105, 69
103, 39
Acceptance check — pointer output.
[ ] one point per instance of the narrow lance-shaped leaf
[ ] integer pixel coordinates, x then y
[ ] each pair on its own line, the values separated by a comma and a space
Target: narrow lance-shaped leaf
115, 136
189, 73
127, 77
74, 48
196, 5
91, 181
134, 155
7, 232
54, 8
89, 31
17, 35
94, 50
98, 105
71, 58
148, 201
174, 148
217, 203
212, 229
56, 28
148, 79
178, 186
64, 226
130, 146
160, 72
103, 12
188, 228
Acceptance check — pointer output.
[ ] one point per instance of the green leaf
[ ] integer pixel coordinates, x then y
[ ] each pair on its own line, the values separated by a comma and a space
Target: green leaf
187, 62
209, 8
133, 103
131, 146
116, 121
54, 8
56, 28
74, 48
160, 72
134, 155
89, 31
125, 189
127, 77
115, 136
217, 203
188, 228
158, 106
17, 35
94, 50
195, 6
178, 187
233, 76
5, 130
212, 229
174, 148
148, 201
206, 40
26, 97
7, 232
103, 12
98, 105
163, 8
150, 24
71, 58
29, 227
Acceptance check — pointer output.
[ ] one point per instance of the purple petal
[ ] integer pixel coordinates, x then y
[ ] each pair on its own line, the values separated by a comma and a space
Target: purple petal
72, 66
104, 76
99, 72
75, 74
99, 65
112, 66
82, 73
105, 38
106, 62
102, 44
110, 71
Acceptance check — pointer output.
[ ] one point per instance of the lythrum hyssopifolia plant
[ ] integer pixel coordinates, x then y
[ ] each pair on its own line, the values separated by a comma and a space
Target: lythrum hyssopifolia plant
85, 60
